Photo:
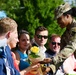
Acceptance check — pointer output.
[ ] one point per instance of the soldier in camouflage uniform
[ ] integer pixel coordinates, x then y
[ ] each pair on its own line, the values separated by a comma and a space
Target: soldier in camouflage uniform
65, 18
64, 15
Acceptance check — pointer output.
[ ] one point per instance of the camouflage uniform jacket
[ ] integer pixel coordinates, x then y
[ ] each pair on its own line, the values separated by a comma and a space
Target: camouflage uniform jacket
68, 41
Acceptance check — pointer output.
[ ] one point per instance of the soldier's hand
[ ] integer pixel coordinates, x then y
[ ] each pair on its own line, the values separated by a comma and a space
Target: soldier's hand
46, 60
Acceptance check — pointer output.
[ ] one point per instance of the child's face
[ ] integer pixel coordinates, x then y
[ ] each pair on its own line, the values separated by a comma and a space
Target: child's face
13, 39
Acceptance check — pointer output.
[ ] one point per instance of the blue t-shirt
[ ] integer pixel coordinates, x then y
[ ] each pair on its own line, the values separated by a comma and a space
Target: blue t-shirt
23, 60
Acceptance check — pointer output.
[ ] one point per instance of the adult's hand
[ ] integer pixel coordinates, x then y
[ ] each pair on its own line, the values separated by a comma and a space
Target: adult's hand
45, 61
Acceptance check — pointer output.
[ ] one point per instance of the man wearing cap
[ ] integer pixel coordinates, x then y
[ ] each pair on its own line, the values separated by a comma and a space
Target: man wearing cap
64, 15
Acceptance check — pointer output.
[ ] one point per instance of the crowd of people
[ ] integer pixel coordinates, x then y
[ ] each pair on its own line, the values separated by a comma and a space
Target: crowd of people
59, 58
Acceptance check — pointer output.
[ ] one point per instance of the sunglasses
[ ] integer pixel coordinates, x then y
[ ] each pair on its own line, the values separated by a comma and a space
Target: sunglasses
42, 36
54, 43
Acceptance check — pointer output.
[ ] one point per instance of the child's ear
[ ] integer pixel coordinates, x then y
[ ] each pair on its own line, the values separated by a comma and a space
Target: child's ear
8, 35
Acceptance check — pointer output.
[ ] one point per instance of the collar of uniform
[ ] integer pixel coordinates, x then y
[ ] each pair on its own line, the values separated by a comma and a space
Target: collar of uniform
72, 24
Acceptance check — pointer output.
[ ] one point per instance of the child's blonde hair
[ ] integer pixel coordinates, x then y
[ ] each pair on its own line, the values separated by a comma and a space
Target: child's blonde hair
7, 24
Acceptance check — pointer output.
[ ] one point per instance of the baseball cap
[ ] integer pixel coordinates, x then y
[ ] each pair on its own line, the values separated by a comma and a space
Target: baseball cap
62, 9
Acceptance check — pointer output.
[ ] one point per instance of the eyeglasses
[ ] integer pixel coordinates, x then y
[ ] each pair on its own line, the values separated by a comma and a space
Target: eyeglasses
42, 36
54, 43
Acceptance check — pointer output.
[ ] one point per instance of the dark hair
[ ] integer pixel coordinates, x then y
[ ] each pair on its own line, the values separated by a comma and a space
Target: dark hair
22, 32
19, 35
40, 28
72, 12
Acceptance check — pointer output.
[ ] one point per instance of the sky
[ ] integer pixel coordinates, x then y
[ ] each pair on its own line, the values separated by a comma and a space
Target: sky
70, 1
2, 14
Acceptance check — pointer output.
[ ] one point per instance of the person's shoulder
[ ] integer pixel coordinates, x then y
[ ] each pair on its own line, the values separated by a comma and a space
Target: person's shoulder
73, 24
73, 31
2, 65
73, 28
1, 60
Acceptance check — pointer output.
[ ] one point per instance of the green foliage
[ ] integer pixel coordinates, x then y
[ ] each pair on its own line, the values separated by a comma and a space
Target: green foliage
33, 55
32, 13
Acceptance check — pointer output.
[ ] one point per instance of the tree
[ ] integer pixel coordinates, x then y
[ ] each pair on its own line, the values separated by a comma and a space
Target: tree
32, 13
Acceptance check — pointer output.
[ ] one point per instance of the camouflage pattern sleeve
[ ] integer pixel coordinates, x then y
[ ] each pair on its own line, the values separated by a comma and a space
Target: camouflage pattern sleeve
67, 50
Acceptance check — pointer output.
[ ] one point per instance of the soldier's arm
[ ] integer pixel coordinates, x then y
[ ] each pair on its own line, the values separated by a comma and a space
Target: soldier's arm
67, 50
